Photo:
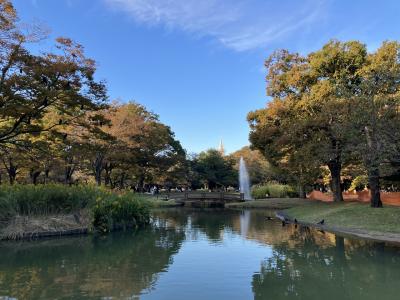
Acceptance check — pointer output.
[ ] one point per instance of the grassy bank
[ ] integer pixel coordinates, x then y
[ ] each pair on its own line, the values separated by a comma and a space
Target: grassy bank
271, 203
29, 210
351, 216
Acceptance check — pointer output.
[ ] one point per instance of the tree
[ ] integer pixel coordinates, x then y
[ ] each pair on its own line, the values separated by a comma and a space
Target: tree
310, 113
376, 114
144, 148
333, 72
215, 170
33, 85
273, 133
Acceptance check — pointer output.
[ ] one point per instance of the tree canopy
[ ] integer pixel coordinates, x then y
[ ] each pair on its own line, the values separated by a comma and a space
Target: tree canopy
333, 108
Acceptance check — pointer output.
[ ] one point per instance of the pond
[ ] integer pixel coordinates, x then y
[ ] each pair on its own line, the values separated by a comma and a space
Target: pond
202, 254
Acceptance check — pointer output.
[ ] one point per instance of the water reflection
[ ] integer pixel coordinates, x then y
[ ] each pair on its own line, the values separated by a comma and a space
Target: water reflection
121, 265
202, 254
314, 265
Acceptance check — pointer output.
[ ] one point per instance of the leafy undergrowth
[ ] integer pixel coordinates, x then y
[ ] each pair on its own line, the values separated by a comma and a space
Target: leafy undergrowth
349, 215
271, 203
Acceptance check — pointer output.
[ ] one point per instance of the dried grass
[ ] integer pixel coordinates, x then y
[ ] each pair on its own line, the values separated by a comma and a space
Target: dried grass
22, 227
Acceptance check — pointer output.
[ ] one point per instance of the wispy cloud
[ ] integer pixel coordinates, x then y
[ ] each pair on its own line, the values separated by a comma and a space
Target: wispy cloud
240, 25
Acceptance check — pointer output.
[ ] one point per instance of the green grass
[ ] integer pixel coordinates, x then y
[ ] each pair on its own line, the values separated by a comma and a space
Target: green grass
272, 203
355, 216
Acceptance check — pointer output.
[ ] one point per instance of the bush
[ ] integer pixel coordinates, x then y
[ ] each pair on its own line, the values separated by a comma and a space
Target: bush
273, 190
359, 183
119, 211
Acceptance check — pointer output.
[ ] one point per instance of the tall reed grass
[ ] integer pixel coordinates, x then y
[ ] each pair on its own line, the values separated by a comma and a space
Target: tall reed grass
107, 209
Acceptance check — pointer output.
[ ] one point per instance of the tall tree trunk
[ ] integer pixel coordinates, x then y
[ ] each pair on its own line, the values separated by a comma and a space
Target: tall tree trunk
374, 185
34, 176
69, 170
98, 167
141, 184
46, 175
12, 173
335, 168
122, 180
108, 167
11, 170
372, 164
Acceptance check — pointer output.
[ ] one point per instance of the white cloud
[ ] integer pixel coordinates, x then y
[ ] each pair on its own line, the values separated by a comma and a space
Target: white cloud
240, 25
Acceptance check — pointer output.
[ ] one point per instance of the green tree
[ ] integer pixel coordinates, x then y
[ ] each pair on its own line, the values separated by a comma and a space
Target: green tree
308, 121
214, 170
376, 114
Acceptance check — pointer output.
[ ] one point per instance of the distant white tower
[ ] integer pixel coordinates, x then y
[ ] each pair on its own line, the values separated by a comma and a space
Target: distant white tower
221, 148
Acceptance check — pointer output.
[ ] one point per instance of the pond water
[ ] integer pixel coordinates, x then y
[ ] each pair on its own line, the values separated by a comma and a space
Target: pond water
202, 254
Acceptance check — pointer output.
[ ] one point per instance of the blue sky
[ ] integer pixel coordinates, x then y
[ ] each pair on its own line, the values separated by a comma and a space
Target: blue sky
199, 63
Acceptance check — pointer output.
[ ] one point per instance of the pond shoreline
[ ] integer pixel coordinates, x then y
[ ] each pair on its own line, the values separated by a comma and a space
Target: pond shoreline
287, 209
346, 232
346, 219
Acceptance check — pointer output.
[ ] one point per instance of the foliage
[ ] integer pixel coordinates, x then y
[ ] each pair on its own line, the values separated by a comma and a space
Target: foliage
214, 170
260, 170
56, 124
109, 210
335, 107
273, 190
359, 183
151, 152
45, 199
115, 211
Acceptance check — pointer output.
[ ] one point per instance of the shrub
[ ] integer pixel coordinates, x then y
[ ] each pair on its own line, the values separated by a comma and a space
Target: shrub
273, 190
260, 192
119, 211
359, 183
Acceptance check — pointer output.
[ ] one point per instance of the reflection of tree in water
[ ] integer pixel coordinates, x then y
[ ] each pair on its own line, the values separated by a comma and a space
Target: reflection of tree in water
119, 265
345, 270
170, 218
213, 224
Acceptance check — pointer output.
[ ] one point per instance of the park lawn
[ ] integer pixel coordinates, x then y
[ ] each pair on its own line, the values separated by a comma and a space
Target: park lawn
270, 203
352, 216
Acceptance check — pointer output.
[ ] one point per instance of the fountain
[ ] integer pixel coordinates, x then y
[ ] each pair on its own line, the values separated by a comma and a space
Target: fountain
244, 180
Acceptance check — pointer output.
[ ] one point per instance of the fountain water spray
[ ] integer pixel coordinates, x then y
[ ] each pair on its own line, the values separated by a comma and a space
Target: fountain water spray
244, 180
